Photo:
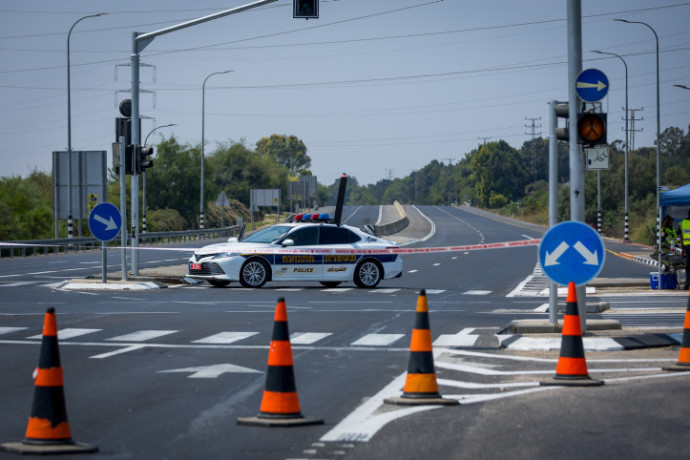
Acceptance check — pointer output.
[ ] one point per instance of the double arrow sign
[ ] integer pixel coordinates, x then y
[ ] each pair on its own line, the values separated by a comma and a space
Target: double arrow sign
591, 257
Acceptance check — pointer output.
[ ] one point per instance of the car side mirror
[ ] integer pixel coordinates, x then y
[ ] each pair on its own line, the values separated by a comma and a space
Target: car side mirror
233, 239
288, 242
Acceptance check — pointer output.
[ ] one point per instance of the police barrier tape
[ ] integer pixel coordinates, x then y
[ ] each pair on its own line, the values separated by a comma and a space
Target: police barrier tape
293, 250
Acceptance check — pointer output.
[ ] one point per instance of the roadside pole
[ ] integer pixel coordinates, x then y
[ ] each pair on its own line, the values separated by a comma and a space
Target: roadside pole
123, 209
553, 204
576, 160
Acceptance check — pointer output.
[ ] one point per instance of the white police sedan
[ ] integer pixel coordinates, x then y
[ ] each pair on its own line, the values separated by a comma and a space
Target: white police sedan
243, 261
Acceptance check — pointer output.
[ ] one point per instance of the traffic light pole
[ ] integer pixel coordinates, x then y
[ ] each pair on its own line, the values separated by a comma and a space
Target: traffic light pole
139, 42
576, 159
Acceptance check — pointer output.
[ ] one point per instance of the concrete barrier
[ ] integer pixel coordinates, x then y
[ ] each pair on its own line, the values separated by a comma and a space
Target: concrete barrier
395, 226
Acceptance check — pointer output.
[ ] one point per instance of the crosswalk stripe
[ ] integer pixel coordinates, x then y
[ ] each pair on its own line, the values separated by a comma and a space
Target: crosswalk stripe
478, 292
7, 330
435, 291
386, 291
377, 340
140, 336
226, 337
307, 338
69, 333
336, 289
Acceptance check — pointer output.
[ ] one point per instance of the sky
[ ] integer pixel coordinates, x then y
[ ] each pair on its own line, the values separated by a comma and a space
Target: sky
375, 89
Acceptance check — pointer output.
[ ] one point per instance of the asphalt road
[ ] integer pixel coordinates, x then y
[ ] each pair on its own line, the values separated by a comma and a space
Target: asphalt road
166, 373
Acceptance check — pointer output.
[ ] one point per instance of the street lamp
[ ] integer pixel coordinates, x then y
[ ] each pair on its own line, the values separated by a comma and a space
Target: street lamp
203, 110
627, 143
70, 227
143, 186
658, 139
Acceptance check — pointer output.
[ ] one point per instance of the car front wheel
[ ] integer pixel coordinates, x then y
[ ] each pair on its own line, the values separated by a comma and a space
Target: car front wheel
254, 273
368, 274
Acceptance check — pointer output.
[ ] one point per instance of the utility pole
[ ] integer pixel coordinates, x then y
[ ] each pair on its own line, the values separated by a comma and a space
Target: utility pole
632, 126
533, 134
484, 138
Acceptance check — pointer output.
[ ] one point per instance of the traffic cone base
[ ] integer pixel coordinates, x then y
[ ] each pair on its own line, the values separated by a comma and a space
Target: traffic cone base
571, 369
48, 430
280, 403
421, 386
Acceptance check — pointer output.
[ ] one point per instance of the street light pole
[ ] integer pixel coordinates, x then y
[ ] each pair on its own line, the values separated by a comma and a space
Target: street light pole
658, 140
627, 145
143, 185
70, 225
203, 112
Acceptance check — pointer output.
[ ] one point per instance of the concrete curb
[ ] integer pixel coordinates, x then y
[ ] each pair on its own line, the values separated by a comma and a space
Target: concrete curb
631, 342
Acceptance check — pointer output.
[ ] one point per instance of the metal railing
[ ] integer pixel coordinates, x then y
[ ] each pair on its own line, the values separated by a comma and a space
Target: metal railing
56, 246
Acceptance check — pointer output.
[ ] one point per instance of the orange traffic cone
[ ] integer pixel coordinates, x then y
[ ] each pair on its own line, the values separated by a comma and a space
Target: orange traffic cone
280, 403
420, 385
48, 431
572, 366
683, 363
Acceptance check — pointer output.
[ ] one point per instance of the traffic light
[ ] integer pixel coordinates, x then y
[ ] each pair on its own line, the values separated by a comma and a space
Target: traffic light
128, 161
561, 110
305, 9
591, 128
143, 160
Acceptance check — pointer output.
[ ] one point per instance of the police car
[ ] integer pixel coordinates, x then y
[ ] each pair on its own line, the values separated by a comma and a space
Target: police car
254, 260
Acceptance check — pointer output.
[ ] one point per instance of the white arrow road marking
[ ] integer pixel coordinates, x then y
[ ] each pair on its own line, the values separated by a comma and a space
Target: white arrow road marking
599, 85
552, 259
213, 371
109, 224
590, 257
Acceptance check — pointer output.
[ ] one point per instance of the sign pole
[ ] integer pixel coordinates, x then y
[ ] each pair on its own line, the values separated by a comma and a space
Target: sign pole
123, 209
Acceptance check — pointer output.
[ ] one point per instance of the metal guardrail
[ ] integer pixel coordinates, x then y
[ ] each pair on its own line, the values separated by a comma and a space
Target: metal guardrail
55, 246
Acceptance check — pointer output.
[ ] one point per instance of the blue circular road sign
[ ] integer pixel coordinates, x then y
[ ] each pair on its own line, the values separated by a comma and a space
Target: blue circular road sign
591, 85
571, 252
105, 221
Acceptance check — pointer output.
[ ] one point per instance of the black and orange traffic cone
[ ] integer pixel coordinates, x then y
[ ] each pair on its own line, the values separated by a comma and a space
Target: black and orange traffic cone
572, 366
683, 363
280, 403
421, 386
48, 431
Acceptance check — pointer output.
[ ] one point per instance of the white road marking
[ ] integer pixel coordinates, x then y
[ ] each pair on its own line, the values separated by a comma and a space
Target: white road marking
118, 351
412, 271
213, 371
226, 337
377, 340
336, 290
307, 338
436, 264
7, 330
478, 292
18, 284
385, 291
435, 291
141, 336
461, 339
68, 333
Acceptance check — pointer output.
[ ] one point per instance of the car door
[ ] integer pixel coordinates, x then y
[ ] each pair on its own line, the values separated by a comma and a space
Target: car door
300, 266
338, 267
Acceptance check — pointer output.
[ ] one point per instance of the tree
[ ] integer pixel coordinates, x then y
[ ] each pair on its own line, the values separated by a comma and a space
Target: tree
498, 168
287, 151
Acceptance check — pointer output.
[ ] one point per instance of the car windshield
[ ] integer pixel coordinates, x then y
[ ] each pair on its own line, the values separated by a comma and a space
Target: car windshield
268, 234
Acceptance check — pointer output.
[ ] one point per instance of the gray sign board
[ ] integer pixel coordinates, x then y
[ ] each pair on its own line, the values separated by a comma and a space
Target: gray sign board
88, 183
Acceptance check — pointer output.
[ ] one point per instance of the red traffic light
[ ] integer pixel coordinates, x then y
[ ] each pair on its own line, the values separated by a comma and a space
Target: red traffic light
591, 128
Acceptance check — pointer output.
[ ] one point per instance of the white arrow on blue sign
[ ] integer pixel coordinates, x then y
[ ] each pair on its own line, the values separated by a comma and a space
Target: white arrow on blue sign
105, 221
591, 85
571, 252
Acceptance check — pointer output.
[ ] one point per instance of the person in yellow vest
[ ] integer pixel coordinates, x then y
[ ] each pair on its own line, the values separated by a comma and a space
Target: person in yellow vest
669, 235
685, 240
